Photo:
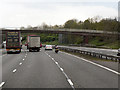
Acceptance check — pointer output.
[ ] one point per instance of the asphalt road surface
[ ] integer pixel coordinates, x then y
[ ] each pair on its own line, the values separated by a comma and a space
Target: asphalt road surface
46, 69
112, 52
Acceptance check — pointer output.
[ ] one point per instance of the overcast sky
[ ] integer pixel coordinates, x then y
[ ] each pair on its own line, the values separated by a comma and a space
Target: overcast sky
17, 13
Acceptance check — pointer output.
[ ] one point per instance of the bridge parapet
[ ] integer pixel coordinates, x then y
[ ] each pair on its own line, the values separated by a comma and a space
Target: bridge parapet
67, 31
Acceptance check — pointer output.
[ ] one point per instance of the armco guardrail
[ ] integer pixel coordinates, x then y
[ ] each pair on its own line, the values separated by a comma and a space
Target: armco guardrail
94, 54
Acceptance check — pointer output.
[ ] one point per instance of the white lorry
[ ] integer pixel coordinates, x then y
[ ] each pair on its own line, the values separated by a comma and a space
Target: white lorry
33, 43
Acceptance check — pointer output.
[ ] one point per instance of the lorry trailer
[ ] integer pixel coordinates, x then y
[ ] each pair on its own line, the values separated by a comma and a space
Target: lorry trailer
13, 42
33, 43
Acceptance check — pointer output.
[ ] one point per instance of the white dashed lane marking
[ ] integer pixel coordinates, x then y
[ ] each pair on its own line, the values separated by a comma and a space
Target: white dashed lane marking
23, 59
14, 70
2, 84
71, 83
69, 80
20, 63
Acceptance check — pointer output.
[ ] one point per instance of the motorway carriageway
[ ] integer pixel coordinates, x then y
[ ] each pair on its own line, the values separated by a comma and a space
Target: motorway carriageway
112, 52
46, 69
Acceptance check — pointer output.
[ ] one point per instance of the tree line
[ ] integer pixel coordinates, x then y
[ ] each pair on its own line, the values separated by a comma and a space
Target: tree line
106, 24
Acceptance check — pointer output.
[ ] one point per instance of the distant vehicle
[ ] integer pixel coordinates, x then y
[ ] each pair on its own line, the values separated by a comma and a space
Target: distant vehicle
56, 49
33, 43
48, 47
13, 42
118, 52
43, 45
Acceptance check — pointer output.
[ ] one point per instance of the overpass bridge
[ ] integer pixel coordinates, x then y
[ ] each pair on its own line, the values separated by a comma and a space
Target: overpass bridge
67, 31
79, 32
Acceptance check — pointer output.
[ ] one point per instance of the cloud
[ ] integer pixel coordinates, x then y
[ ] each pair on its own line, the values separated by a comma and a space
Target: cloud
34, 13
9, 1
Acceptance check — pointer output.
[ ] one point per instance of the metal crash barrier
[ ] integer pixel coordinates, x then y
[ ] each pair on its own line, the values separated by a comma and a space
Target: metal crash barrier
94, 54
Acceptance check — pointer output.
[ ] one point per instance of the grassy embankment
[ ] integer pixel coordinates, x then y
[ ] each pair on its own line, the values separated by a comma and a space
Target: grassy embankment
99, 42
105, 43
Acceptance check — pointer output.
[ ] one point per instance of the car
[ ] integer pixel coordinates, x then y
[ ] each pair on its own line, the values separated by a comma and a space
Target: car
48, 47
118, 52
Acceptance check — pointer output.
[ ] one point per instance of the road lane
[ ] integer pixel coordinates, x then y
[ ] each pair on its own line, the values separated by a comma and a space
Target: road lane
37, 71
9, 62
84, 74
97, 50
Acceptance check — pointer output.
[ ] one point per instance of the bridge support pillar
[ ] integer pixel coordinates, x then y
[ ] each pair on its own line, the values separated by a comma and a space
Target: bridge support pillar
60, 39
85, 39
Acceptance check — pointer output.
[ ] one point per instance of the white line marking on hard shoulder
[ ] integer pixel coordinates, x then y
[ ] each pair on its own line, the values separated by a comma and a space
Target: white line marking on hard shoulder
56, 62
23, 59
2, 84
14, 70
65, 75
20, 63
25, 56
106, 68
58, 65
70, 82
61, 69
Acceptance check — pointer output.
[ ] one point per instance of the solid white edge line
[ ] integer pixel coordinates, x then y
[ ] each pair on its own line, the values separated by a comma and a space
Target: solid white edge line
56, 62
65, 75
14, 70
61, 69
52, 58
2, 84
70, 82
106, 68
